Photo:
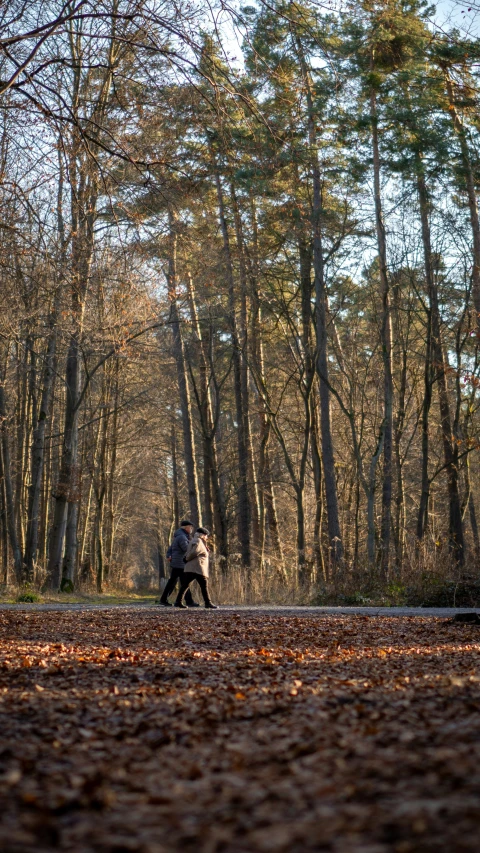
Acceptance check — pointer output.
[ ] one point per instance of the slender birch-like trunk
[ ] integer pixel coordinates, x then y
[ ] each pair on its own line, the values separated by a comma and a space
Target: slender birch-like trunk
209, 428
244, 509
386, 341
245, 346
450, 446
328, 455
182, 380
37, 464
8, 489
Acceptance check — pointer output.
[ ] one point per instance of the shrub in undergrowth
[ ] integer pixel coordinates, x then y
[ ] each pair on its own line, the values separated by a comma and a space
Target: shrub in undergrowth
464, 592
27, 597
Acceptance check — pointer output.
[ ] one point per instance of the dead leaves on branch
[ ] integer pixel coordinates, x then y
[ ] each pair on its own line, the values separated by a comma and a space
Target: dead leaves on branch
162, 731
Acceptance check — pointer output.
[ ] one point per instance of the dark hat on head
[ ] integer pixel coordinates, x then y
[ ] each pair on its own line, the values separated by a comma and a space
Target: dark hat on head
186, 523
203, 530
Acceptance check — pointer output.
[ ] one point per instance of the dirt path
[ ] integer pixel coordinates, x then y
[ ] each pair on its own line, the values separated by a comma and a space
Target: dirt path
238, 731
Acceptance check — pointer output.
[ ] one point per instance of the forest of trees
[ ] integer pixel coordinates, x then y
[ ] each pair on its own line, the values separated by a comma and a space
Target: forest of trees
240, 288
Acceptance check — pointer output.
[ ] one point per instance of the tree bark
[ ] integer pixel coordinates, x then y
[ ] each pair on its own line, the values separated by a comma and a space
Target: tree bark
110, 477
244, 509
38, 450
244, 346
450, 446
266, 494
209, 423
328, 455
386, 341
175, 501
3, 523
205, 408
318, 483
8, 490
371, 550
67, 486
182, 379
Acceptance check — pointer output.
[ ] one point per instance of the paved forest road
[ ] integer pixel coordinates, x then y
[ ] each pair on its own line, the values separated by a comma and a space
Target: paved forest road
267, 609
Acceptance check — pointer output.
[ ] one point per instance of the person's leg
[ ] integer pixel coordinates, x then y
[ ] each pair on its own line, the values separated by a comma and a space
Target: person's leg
175, 574
189, 599
185, 581
203, 584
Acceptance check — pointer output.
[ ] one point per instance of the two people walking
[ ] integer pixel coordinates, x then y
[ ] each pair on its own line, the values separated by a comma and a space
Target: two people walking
189, 561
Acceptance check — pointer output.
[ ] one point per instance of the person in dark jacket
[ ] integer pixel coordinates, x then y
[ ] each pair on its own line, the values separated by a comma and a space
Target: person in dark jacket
175, 555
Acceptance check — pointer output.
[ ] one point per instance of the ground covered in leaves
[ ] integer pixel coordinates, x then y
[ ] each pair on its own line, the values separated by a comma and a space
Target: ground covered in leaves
220, 732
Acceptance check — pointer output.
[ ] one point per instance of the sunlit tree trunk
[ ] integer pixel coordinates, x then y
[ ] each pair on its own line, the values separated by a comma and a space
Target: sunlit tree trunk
450, 446
38, 450
244, 510
245, 346
182, 380
8, 488
386, 341
328, 456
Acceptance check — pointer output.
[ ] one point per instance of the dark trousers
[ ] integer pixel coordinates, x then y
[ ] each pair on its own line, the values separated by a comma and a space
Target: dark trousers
185, 582
176, 575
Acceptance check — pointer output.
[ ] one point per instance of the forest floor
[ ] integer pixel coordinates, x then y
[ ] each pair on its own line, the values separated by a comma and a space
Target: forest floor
237, 731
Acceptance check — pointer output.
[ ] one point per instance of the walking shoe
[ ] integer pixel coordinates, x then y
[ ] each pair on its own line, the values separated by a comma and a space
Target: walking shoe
193, 604
181, 604
211, 606
164, 603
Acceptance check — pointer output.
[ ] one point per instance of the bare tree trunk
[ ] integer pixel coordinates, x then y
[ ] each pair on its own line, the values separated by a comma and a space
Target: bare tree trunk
265, 478
469, 503
205, 409
302, 566
38, 451
450, 446
209, 424
46, 500
244, 510
67, 486
371, 550
100, 488
91, 468
328, 456
318, 482
175, 502
386, 340
422, 518
83, 173
3, 523
399, 526
18, 448
356, 546
182, 379
110, 484
99, 561
8, 490
244, 345
69, 564
474, 525
266, 495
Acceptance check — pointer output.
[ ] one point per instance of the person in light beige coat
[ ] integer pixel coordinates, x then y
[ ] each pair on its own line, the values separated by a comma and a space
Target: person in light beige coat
196, 568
